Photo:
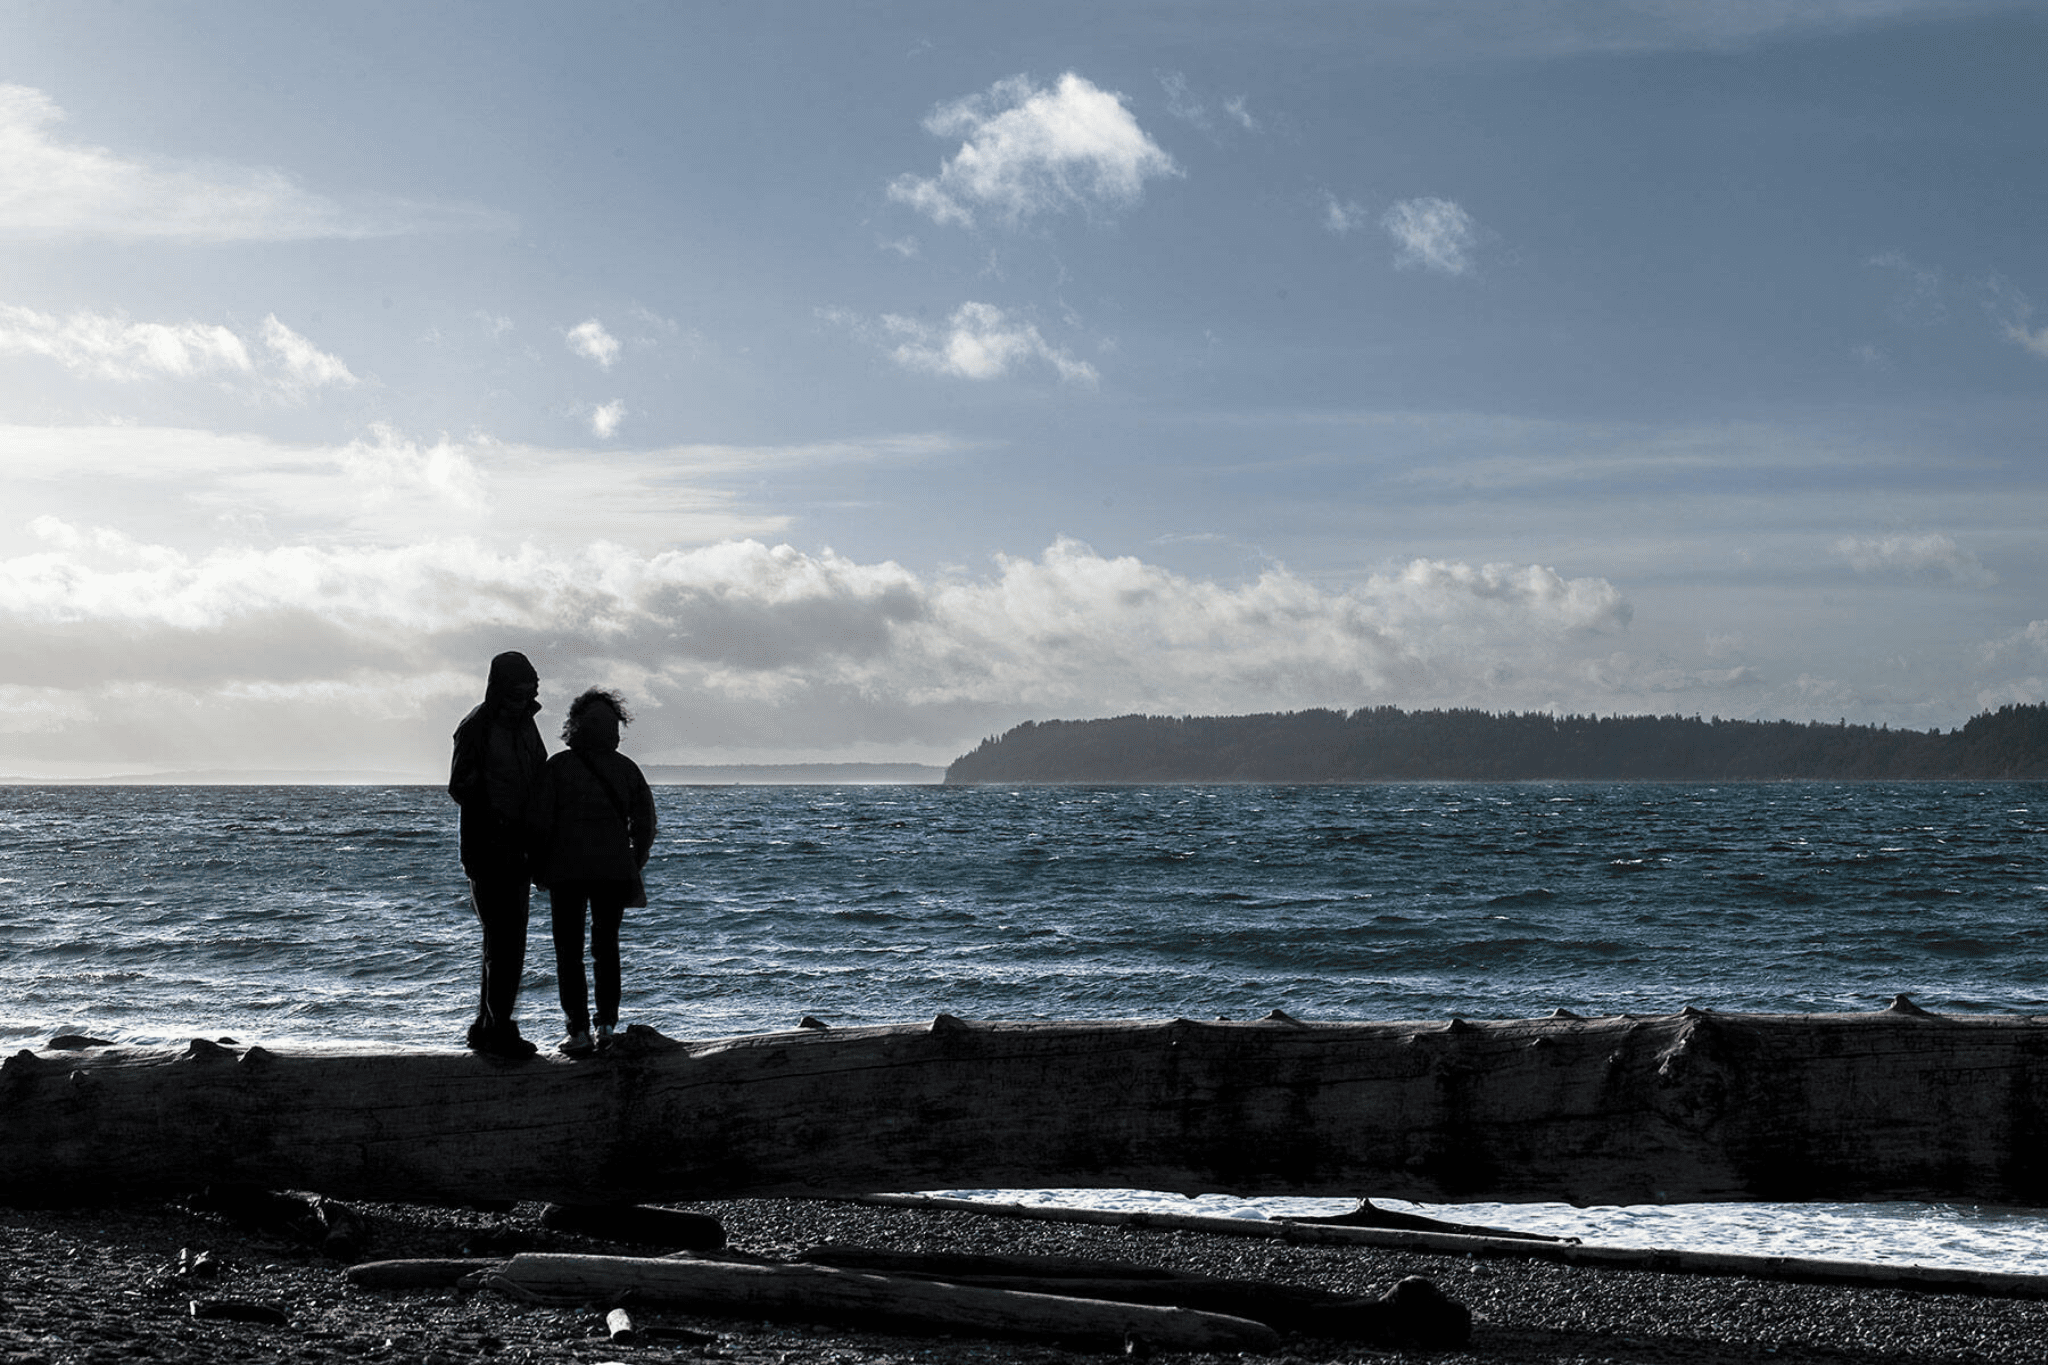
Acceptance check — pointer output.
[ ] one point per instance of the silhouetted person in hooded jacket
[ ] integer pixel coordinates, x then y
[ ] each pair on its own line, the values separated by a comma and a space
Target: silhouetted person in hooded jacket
498, 760
592, 819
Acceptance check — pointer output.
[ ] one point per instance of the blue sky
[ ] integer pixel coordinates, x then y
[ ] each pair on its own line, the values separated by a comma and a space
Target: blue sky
854, 381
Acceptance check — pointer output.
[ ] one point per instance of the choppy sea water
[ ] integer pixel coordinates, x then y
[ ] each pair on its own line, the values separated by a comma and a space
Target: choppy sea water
155, 914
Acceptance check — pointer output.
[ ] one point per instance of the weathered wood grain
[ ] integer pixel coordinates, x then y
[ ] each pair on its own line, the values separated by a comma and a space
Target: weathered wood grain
1897, 1104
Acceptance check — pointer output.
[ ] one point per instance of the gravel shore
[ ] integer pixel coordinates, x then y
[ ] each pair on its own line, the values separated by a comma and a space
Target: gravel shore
117, 1284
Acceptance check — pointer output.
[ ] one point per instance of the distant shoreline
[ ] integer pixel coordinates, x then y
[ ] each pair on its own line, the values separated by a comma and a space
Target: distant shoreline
1387, 744
658, 774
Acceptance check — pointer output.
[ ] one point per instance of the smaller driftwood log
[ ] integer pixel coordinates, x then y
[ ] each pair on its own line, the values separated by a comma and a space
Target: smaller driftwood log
816, 1291
1413, 1313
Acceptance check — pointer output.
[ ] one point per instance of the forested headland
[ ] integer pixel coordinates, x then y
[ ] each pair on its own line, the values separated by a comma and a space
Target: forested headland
1387, 744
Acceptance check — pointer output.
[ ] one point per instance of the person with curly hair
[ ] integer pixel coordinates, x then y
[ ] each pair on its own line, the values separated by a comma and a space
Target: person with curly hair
592, 823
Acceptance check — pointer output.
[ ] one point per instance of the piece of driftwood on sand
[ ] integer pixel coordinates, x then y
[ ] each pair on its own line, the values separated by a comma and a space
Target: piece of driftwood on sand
817, 1291
1896, 1104
1413, 1312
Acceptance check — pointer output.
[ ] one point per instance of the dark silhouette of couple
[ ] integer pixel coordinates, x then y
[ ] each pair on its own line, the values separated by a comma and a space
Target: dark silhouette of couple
579, 825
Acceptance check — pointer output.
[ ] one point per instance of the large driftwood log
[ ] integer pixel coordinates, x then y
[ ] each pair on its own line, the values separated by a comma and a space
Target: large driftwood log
1695, 1106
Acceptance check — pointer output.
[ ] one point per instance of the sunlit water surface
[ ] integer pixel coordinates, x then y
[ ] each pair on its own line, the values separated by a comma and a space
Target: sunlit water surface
155, 914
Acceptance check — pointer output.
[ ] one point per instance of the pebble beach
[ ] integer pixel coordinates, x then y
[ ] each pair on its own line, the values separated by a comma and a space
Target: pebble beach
119, 1284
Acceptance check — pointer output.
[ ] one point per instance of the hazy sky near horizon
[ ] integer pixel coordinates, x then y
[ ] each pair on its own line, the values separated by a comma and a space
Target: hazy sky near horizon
852, 381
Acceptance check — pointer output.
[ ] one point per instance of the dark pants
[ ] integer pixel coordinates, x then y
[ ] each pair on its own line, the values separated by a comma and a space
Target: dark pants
501, 907
606, 903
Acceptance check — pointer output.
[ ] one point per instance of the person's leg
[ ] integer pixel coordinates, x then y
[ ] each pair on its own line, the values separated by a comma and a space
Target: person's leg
606, 912
566, 903
501, 905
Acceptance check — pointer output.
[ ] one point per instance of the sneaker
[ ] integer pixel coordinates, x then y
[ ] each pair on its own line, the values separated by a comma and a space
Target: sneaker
502, 1042
578, 1042
604, 1035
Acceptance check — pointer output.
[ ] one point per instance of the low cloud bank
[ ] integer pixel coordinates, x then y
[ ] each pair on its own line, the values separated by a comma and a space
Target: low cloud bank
116, 651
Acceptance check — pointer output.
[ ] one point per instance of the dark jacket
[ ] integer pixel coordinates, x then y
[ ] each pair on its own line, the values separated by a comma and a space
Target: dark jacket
497, 763
592, 817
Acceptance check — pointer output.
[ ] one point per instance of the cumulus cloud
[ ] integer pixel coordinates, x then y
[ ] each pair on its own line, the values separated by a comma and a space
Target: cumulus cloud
2031, 638
97, 346
1435, 234
590, 340
110, 347
1027, 151
387, 468
746, 642
605, 419
51, 187
1928, 555
980, 341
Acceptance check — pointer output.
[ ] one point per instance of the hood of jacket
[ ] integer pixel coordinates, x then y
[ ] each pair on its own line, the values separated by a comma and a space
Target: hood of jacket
511, 675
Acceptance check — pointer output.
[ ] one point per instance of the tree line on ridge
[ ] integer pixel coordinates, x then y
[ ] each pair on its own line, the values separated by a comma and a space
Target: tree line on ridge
1386, 743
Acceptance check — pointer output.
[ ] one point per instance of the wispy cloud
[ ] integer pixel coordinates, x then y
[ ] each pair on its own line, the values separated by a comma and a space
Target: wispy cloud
1421, 29
980, 341
2013, 311
1027, 151
1918, 301
590, 340
1435, 234
1181, 102
1184, 104
51, 187
187, 488
1927, 555
654, 325
605, 419
1342, 217
301, 366
105, 347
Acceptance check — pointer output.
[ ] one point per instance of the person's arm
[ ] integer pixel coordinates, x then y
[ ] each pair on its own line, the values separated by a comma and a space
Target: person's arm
466, 767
